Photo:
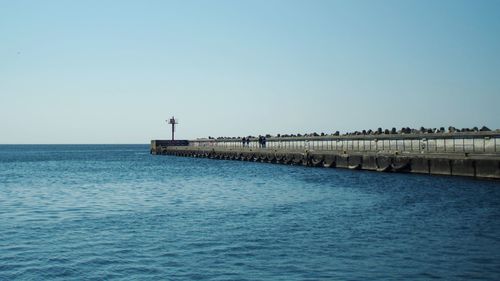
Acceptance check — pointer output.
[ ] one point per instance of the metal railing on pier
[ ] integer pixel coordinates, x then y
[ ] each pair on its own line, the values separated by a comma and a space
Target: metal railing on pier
470, 142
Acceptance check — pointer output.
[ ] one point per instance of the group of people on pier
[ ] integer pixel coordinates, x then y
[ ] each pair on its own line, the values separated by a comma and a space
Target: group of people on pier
262, 142
245, 141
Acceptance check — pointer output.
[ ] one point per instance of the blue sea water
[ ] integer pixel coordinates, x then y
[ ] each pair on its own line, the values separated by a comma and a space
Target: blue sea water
114, 212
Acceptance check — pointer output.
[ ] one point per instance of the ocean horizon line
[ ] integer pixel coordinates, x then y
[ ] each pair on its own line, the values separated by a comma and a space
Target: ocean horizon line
73, 144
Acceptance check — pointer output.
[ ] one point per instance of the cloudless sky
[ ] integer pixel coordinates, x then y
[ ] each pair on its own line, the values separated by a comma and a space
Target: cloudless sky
114, 71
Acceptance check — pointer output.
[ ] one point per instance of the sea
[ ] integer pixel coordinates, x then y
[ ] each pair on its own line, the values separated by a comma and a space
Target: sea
115, 212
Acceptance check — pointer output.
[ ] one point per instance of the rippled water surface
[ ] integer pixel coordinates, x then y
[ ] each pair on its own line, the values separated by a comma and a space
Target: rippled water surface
118, 213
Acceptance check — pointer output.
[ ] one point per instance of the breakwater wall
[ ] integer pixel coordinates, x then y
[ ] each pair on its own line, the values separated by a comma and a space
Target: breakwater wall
466, 154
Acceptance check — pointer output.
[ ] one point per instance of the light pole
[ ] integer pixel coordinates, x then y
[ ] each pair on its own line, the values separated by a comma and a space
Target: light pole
173, 122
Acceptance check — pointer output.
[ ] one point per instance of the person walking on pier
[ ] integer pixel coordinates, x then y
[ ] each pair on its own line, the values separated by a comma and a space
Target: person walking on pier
243, 141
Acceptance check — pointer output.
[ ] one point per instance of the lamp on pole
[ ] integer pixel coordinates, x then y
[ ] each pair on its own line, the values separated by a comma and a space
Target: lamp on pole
173, 122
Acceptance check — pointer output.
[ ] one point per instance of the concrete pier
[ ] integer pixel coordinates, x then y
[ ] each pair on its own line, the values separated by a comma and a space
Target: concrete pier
467, 154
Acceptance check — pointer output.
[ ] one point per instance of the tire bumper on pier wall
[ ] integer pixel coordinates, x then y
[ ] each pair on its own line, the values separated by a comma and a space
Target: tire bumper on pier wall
355, 162
329, 160
316, 159
401, 164
384, 163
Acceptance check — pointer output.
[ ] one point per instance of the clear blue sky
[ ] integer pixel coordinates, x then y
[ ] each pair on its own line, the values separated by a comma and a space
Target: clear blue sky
113, 71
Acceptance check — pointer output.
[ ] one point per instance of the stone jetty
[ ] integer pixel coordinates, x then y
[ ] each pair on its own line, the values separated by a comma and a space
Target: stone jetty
469, 154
